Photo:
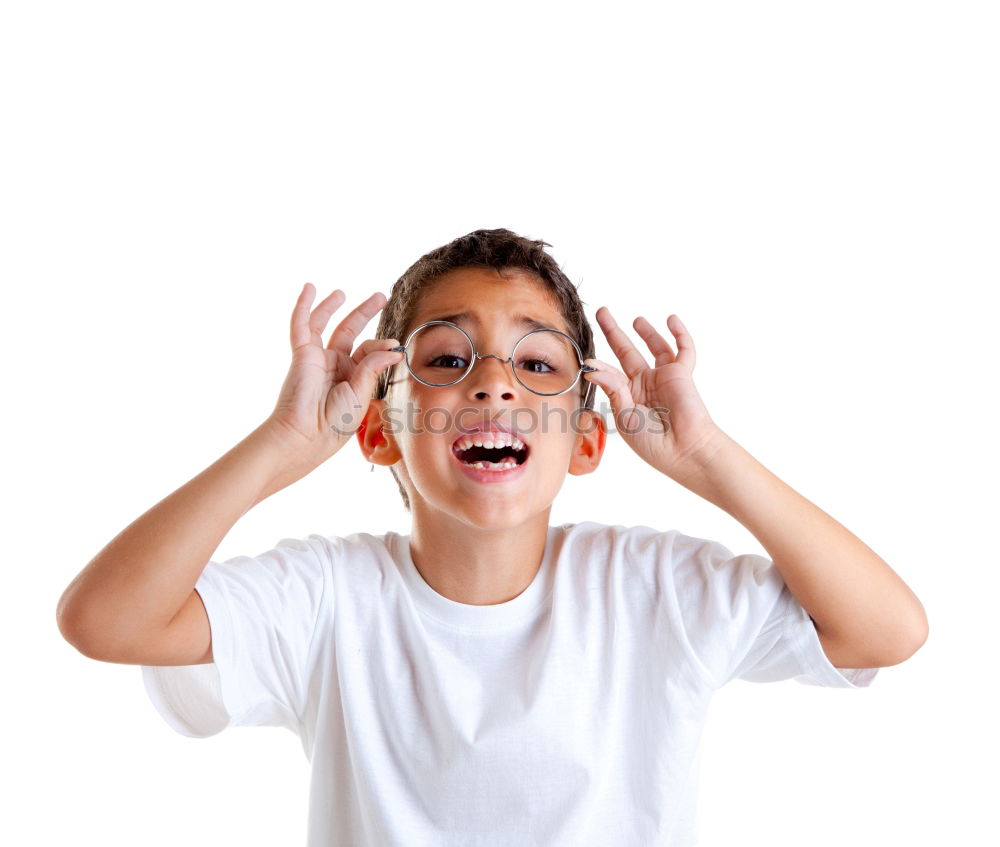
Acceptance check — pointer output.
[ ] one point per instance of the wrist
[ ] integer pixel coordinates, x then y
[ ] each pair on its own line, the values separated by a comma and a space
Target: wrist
277, 436
708, 465
699, 458
284, 457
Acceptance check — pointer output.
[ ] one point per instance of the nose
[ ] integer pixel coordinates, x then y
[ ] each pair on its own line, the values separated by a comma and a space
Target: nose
491, 376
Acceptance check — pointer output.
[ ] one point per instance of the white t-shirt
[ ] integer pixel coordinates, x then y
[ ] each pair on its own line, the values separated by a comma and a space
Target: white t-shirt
570, 715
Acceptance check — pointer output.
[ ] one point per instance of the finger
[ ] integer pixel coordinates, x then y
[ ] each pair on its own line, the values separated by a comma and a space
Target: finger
321, 314
305, 329
685, 343
663, 354
299, 329
363, 379
614, 383
631, 359
350, 327
370, 346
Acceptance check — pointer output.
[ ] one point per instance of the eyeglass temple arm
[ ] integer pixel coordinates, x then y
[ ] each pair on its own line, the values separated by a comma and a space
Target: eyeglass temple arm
383, 377
590, 388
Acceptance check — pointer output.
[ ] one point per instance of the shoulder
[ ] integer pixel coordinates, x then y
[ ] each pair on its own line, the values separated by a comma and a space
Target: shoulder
359, 559
663, 558
637, 541
308, 560
632, 557
307, 556
357, 545
645, 542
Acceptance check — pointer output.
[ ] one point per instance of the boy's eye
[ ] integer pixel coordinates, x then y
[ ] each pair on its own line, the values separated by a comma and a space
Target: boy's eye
449, 361
537, 366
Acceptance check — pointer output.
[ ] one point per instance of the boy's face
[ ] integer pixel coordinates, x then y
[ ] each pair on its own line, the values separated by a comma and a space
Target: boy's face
426, 426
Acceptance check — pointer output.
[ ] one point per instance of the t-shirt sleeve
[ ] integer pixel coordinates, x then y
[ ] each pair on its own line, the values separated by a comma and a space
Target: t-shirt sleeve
741, 621
263, 612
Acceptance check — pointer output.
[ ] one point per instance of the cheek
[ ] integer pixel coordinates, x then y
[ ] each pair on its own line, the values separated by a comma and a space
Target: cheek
414, 415
555, 424
425, 408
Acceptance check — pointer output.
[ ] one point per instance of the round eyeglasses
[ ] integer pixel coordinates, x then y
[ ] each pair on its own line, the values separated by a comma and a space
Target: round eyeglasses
544, 361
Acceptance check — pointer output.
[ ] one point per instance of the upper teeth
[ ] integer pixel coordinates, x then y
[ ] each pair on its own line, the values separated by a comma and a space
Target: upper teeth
489, 440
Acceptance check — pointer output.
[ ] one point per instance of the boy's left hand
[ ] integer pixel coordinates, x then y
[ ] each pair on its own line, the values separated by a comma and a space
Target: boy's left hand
657, 409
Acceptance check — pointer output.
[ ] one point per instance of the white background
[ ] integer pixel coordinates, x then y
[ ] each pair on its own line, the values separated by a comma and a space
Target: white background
811, 187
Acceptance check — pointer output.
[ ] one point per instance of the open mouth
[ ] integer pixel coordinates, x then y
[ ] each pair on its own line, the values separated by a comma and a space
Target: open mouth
491, 451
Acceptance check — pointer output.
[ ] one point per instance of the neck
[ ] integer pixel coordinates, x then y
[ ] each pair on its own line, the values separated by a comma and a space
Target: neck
472, 565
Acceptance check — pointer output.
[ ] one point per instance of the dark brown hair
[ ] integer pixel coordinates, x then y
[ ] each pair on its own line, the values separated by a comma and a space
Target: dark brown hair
501, 250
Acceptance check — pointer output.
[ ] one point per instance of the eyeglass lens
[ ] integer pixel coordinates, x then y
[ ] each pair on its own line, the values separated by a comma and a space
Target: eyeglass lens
545, 362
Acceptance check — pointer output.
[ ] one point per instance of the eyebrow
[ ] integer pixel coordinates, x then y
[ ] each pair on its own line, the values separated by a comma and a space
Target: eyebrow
468, 318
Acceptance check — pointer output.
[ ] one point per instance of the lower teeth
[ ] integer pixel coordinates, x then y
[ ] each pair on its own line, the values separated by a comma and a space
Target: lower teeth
492, 466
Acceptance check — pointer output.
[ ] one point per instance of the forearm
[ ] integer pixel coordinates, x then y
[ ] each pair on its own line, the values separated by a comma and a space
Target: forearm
143, 577
851, 594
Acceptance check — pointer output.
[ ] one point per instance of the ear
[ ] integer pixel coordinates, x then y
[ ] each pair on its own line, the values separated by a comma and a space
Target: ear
592, 434
375, 437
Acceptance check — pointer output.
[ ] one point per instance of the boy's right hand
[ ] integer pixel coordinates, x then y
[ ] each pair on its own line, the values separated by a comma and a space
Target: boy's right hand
328, 389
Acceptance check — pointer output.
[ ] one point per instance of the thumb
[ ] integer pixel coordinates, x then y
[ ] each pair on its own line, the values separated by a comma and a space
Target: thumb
348, 401
369, 369
616, 386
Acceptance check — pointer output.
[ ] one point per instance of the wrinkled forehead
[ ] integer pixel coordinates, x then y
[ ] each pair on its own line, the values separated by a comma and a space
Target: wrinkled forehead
477, 299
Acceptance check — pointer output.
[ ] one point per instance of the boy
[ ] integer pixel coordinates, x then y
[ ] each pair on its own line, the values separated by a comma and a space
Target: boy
487, 679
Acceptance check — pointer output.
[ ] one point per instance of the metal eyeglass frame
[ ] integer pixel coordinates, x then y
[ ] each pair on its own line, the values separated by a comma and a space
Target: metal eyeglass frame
476, 356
